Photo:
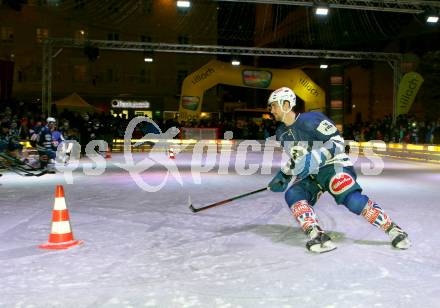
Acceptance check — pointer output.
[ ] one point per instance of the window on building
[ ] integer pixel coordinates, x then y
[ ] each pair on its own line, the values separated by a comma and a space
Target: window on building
109, 75
183, 39
41, 34
20, 76
80, 4
147, 6
113, 36
7, 34
145, 76
37, 69
113, 8
142, 76
80, 35
182, 11
80, 73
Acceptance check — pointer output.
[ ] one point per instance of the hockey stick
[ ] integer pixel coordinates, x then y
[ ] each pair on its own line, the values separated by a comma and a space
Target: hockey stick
21, 168
18, 162
195, 210
24, 172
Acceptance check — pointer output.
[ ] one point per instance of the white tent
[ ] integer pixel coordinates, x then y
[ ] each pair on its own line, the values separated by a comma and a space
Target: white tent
74, 102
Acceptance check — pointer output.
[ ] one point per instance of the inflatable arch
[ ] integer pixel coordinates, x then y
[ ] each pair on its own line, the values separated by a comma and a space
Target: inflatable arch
215, 72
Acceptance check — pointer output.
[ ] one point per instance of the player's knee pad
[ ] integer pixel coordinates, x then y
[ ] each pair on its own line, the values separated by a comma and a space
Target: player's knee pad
356, 202
52, 154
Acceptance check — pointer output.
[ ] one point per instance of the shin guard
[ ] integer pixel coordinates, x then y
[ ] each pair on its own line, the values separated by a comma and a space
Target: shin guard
304, 214
376, 216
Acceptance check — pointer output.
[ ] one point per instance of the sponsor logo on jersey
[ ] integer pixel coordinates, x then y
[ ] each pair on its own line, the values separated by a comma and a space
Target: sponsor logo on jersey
340, 183
326, 128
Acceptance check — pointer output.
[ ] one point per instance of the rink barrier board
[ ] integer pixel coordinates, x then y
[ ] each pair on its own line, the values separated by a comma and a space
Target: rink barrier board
422, 152
408, 151
418, 152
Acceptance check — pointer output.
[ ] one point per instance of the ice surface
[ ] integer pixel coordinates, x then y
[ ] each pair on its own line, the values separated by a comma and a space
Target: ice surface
145, 249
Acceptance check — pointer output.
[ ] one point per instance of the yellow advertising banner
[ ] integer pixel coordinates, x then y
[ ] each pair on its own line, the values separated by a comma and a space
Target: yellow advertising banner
408, 88
215, 72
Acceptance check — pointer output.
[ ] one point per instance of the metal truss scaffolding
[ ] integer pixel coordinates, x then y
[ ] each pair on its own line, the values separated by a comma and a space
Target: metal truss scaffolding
396, 6
394, 59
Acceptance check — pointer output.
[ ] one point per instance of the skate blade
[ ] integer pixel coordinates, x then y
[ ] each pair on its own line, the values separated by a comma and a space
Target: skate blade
321, 248
404, 244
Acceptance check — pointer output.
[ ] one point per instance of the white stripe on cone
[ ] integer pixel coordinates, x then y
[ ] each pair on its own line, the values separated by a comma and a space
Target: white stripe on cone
61, 227
60, 204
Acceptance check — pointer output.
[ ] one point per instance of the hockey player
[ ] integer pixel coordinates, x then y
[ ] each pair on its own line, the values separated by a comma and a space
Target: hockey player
318, 161
45, 145
57, 137
63, 155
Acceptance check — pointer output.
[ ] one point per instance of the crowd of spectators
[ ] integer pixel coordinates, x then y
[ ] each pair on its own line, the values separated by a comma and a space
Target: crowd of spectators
241, 128
408, 129
83, 127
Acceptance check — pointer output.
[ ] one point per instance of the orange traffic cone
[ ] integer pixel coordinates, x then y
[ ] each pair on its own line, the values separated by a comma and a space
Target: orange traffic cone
61, 236
171, 153
108, 152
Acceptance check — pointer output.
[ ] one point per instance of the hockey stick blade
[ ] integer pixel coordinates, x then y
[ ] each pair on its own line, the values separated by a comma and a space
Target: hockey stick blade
191, 207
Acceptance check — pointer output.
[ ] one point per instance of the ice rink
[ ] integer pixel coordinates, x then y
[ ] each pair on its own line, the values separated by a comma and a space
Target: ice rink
147, 249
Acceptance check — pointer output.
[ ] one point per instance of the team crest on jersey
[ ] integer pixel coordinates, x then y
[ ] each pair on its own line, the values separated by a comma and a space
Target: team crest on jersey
340, 183
326, 128
297, 151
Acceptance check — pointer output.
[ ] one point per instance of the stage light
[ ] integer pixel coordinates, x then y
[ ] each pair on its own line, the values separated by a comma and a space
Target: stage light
432, 19
183, 4
235, 62
322, 11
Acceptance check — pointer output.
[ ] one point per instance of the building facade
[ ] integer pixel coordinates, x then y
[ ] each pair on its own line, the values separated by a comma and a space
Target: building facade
101, 75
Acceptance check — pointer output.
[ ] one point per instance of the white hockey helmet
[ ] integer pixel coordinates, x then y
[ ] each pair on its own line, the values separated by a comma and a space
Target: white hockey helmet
280, 95
51, 120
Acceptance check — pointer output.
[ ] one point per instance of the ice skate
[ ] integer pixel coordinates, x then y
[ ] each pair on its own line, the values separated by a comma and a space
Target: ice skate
320, 241
399, 238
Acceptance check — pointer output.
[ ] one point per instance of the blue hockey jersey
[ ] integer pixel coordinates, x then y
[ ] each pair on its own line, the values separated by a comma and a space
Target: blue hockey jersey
45, 138
312, 141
